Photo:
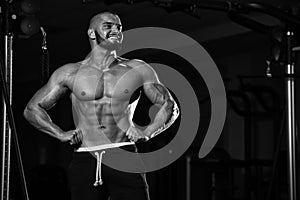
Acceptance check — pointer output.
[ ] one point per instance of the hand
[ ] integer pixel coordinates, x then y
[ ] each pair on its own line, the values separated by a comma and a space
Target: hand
135, 134
73, 136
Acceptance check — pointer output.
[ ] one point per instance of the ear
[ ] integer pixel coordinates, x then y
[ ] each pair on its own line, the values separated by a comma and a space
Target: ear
91, 34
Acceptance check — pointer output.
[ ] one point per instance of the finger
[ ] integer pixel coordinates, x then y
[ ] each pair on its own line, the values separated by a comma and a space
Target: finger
132, 137
75, 138
76, 135
77, 130
71, 142
128, 132
129, 136
80, 135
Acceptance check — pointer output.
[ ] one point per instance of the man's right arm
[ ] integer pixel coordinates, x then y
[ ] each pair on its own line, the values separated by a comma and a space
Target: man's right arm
46, 98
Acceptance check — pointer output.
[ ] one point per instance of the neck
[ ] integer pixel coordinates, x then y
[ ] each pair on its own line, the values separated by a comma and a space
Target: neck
102, 58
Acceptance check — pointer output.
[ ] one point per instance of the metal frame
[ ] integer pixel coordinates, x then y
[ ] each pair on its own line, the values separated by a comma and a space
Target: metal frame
9, 132
6, 130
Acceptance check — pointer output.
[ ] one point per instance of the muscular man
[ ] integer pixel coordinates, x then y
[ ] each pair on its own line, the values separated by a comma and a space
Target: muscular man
102, 88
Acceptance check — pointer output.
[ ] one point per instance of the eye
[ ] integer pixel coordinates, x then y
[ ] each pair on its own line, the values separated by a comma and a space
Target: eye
107, 26
119, 27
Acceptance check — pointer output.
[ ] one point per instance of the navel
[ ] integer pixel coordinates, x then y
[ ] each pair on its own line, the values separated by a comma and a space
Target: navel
82, 93
126, 91
102, 127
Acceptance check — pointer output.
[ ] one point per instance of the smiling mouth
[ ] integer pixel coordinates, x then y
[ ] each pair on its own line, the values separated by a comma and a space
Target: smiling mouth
114, 39
112, 36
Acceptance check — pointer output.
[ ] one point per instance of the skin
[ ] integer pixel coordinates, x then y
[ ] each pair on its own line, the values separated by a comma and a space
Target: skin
100, 88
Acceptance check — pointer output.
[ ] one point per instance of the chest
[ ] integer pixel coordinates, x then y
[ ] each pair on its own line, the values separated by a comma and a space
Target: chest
118, 83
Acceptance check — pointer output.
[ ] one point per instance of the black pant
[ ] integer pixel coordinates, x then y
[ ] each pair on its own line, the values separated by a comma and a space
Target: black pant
117, 185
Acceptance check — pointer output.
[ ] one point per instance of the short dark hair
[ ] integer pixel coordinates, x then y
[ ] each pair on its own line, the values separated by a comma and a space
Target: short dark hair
97, 16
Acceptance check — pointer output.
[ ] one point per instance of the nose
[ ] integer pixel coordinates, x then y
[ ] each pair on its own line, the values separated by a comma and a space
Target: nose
114, 28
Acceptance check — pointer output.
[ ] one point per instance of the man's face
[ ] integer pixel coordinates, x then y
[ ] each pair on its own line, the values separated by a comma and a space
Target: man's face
109, 31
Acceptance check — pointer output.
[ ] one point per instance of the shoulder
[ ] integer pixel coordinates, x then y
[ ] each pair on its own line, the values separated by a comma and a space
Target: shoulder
64, 73
140, 66
67, 69
136, 63
144, 69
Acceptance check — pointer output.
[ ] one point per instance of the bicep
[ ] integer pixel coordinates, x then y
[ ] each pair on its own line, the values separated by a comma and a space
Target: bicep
157, 93
154, 90
47, 96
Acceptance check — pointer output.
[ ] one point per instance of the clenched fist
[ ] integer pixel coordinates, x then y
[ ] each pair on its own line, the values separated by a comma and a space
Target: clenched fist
72, 136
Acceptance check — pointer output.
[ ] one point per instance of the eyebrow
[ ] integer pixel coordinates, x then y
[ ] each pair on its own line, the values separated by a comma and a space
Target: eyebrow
111, 23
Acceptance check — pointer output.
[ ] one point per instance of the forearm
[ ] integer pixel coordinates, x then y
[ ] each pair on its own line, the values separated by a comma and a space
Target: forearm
39, 118
164, 118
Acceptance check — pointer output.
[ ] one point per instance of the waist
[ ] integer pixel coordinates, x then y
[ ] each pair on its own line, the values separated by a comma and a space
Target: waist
103, 146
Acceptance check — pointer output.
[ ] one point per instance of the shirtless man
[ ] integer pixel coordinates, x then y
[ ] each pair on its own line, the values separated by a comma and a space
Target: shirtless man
101, 89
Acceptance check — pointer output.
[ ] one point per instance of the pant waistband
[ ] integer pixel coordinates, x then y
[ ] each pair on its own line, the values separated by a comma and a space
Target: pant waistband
103, 146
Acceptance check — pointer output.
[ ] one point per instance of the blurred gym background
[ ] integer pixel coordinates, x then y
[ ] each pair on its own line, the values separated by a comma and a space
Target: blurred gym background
249, 161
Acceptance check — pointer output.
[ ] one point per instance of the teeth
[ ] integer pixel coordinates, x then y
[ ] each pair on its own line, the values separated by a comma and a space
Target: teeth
113, 38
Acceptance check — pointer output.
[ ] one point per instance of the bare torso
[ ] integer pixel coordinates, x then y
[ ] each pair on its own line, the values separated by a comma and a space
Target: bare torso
104, 92
101, 102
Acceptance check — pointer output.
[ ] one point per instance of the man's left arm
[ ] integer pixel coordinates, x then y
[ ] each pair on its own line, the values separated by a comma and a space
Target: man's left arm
168, 109
159, 96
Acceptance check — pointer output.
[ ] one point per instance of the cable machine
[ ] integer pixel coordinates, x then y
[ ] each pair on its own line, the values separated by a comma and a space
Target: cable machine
236, 12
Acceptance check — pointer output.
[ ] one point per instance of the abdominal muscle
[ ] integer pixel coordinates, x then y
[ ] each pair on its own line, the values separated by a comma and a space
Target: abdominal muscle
101, 123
